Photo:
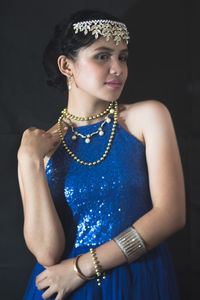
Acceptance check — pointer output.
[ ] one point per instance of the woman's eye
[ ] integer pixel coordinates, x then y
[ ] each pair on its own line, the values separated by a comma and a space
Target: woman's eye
102, 56
124, 58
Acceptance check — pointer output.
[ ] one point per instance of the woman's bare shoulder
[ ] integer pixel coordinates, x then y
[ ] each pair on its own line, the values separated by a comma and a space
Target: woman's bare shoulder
146, 106
138, 116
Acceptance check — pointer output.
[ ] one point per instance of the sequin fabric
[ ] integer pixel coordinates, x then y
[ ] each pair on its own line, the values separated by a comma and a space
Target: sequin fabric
95, 203
106, 198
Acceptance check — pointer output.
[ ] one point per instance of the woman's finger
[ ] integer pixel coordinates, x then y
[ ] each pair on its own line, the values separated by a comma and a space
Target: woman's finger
41, 276
49, 292
55, 131
43, 284
56, 136
59, 296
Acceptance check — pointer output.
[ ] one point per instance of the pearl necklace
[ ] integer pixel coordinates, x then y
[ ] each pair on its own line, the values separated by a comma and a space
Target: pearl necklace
88, 136
107, 148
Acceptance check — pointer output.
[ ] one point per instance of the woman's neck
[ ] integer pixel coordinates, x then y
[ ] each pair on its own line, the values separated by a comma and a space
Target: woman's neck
86, 108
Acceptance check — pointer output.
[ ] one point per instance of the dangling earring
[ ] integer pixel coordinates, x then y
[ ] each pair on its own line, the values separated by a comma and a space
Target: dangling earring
69, 83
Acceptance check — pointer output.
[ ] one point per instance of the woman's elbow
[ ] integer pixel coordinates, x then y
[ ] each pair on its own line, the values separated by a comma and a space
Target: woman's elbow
179, 221
46, 256
182, 222
47, 259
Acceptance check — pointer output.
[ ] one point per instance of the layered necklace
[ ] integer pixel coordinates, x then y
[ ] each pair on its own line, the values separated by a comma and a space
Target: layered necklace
112, 109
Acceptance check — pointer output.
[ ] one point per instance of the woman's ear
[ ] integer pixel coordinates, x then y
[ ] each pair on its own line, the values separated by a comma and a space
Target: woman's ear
64, 65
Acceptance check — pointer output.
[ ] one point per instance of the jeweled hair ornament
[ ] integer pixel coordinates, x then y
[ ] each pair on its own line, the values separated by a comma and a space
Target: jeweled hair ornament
107, 28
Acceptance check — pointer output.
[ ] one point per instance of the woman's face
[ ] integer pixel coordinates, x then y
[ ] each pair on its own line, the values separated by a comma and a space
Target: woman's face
101, 69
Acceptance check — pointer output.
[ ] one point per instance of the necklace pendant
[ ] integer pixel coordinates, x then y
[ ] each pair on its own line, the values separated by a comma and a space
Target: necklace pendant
108, 120
101, 132
87, 140
74, 137
68, 121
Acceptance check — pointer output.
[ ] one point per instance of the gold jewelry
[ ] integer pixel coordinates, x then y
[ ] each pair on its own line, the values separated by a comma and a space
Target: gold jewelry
97, 267
88, 136
107, 28
131, 244
108, 146
70, 116
77, 270
69, 83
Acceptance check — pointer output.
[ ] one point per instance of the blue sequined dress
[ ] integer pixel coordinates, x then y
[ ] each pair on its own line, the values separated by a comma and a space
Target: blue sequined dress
96, 203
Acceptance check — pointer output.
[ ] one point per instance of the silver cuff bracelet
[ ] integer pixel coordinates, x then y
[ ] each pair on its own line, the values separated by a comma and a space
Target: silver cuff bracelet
131, 244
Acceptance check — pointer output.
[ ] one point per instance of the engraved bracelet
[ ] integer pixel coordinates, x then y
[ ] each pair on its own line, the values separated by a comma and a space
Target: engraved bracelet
131, 244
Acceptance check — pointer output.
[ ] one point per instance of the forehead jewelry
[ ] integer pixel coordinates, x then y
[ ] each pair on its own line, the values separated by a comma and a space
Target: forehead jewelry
107, 28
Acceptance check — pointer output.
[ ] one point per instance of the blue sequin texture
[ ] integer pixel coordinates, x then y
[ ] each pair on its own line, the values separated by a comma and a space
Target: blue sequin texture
96, 203
107, 198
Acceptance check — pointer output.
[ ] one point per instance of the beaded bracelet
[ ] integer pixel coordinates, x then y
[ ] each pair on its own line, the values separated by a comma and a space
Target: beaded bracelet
131, 244
78, 271
97, 267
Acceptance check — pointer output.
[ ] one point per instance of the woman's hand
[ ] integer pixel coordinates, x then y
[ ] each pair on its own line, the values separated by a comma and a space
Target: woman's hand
60, 279
36, 143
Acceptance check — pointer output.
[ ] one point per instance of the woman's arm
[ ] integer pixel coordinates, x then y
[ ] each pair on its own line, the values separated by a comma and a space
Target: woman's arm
166, 187
43, 230
168, 197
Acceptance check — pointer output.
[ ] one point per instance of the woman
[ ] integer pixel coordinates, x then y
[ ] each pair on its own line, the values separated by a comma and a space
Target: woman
103, 188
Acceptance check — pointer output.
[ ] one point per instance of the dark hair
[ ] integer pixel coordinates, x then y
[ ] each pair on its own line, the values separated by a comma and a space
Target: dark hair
65, 42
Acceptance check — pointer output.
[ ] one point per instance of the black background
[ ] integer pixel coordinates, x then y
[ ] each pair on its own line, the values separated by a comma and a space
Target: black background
164, 65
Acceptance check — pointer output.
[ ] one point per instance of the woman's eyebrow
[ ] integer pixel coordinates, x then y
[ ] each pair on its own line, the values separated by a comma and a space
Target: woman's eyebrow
109, 49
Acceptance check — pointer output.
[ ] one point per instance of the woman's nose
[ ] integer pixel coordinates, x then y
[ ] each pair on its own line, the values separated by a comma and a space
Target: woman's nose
116, 68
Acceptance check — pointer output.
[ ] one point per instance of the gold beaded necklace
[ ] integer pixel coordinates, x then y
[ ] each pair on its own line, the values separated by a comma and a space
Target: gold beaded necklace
70, 116
107, 148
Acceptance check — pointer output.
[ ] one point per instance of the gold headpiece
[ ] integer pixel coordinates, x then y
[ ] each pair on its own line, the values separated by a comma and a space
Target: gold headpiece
107, 28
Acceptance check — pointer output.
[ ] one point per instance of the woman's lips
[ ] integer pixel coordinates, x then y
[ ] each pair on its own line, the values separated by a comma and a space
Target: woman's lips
114, 84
